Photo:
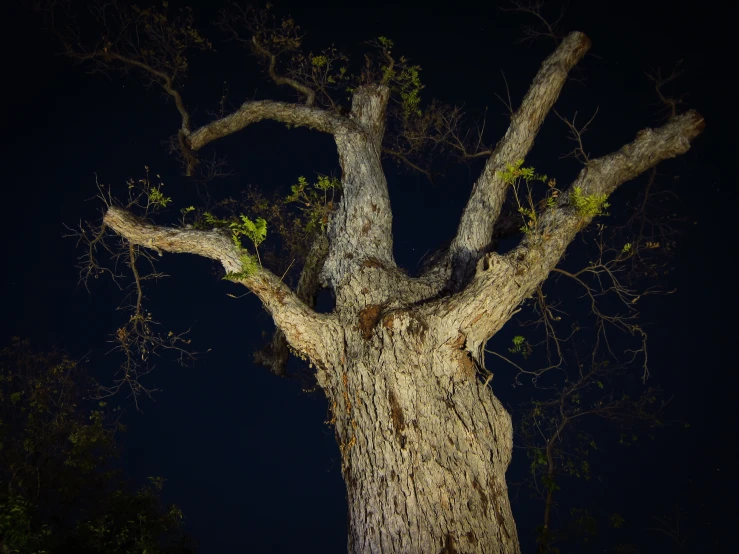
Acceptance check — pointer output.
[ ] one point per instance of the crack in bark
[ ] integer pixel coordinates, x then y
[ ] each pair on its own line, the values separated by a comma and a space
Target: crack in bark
396, 415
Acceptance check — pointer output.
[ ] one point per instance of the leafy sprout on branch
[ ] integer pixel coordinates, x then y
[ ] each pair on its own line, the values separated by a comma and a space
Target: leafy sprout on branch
315, 200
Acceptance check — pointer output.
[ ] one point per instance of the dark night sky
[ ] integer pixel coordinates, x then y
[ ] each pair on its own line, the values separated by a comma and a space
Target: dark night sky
247, 456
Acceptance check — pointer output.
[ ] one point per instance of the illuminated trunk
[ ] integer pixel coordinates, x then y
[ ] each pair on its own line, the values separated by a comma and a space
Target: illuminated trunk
424, 443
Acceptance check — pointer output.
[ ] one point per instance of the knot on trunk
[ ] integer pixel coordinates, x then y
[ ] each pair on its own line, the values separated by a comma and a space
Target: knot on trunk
368, 318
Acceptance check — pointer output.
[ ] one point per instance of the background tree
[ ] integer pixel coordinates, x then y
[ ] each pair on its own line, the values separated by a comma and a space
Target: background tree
458, 272
61, 490
563, 445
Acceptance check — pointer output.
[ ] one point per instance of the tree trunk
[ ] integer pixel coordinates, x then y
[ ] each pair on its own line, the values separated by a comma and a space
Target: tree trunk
424, 443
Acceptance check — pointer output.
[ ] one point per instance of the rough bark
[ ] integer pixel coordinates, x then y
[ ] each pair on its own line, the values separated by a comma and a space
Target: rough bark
305, 329
501, 283
276, 354
361, 228
424, 442
489, 191
252, 112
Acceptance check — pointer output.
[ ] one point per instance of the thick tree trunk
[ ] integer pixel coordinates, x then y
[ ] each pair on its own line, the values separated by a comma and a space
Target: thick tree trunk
424, 443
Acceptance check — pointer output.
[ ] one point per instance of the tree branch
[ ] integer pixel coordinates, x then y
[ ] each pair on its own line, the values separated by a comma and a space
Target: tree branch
483, 208
361, 227
275, 354
153, 40
402, 158
164, 80
306, 330
252, 112
310, 96
501, 283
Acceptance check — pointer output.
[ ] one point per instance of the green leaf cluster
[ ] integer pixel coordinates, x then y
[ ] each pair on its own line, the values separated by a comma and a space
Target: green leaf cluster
147, 195
514, 172
588, 205
403, 79
17, 529
157, 198
316, 200
242, 226
521, 346
517, 177
209, 221
255, 231
249, 266
409, 87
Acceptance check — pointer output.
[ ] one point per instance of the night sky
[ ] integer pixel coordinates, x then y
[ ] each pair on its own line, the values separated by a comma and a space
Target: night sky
247, 455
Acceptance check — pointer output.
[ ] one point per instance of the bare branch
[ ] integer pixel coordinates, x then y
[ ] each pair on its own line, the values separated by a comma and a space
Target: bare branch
507, 102
139, 339
149, 40
545, 28
310, 96
554, 427
268, 38
252, 112
164, 80
621, 254
576, 134
403, 158
659, 80
431, 140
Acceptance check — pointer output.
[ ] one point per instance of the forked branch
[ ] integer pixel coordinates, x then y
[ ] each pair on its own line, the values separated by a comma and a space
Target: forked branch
501, 283
306, 91
488, 194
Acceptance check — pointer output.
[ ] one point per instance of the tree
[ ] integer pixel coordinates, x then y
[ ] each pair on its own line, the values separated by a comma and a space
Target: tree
61, 491
425, 444
560, 445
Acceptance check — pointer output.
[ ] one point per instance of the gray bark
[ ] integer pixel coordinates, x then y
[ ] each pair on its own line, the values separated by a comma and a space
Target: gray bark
424, 442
